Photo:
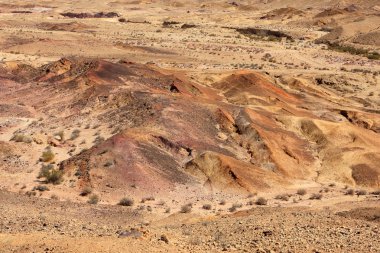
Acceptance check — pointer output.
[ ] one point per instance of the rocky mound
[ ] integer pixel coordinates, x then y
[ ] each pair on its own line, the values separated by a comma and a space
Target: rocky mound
160, 130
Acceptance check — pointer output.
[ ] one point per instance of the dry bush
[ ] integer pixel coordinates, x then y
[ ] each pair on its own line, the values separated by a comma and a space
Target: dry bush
186, 208
234, 207
301, 192
316, 196
361, 192
75, 134
151, 198
222, 202
93, 199
350, 192
261, 201
51, 175
126, 202
283, 197
207, 207
47, 155
22, 138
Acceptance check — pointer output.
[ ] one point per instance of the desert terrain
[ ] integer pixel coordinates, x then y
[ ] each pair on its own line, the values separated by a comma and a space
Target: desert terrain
190, 126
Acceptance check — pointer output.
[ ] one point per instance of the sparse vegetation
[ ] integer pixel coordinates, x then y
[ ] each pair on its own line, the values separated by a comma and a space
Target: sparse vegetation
301, 192
93, 199
261, 201
350, 192
75, 134
186, 208
317, 196
126, 202
283, 197
86, 191
373, 55
51, 174
207, 207
47, 155
151, 198
361, 192
22, 138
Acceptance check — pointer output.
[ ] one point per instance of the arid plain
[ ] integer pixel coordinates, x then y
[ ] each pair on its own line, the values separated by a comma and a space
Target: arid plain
190, 126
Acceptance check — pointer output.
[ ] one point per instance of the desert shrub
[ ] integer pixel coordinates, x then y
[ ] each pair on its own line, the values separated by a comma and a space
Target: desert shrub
234, 207
186, 208
222, 202
151, 198
51, 175
350, 192
377, 192
301, 192
316, 196
261, 201
361, 192
54, 197
93, 199
75, 134
98, 140
283, 197
47, 155
207, 207
332, 185
86, 191
167, 210
22, 138
45, 170
54, 177
126, 202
